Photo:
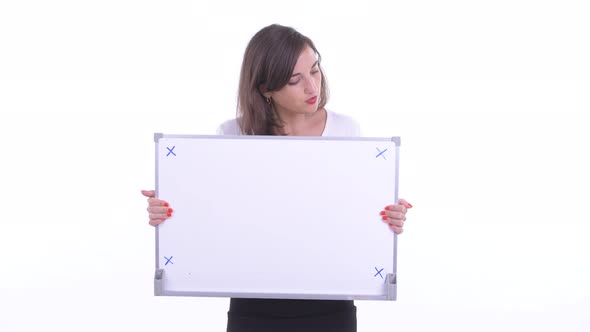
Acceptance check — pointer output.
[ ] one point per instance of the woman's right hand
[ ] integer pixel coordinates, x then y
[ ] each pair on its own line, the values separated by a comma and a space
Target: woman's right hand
158, 209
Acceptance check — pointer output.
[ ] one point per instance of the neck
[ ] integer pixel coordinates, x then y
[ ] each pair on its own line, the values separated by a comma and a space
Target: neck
307, 124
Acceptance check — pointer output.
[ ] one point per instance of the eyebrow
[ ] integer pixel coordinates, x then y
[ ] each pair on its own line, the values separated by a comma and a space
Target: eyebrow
314, 64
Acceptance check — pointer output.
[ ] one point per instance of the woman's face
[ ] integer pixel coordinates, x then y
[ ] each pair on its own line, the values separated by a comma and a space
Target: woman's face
301, 94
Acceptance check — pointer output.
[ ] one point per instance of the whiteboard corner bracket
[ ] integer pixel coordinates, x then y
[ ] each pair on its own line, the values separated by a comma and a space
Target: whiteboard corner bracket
158, 280
391, 286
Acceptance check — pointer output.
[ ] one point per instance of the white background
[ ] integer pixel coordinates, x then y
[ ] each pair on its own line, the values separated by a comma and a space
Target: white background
490, 99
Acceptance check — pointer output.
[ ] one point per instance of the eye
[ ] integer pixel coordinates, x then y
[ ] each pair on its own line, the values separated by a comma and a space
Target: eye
293, 83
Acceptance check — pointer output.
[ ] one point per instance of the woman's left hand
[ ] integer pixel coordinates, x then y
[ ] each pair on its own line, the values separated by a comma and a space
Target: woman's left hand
395, 215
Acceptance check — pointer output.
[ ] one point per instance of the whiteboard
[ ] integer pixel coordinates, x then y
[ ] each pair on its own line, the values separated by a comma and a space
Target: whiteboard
276, 217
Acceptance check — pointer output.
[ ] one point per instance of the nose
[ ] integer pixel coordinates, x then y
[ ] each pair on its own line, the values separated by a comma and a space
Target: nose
311, 86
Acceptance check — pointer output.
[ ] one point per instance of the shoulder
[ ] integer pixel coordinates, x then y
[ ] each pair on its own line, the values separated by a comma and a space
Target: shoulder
229, 127
342, 119
339, 124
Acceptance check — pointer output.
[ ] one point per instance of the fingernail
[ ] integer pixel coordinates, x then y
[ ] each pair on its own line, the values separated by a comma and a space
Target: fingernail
382, 213
169, 214
387, 207
409, 205
166, 204
384, 218
170, 210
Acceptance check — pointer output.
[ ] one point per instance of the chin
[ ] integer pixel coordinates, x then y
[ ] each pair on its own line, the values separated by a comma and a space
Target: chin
312, 109
310, 112
307, 110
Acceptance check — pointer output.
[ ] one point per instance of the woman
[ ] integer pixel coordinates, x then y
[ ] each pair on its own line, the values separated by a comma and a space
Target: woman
283, 91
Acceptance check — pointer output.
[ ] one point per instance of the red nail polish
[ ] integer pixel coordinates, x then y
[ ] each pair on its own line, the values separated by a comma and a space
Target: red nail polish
384, 218
169, 214
166, 204
382, 213
387, 207
170, 210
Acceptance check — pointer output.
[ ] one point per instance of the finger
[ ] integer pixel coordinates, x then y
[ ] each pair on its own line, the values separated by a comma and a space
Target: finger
148, 193
404, 203
159, 215
397, 208
396, 229
394, 222
158, 202
156, 222
395, 215
160, 209
157, 212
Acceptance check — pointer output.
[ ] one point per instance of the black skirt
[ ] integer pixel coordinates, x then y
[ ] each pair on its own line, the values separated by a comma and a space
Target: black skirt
273, 315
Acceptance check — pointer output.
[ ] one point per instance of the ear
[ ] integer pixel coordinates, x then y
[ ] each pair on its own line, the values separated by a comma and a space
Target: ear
262, 89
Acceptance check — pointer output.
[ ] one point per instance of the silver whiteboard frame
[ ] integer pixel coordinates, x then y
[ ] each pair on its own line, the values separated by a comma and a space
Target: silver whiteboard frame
390, 286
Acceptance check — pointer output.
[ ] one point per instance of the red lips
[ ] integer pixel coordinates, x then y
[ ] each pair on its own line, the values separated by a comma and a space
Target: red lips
312, 100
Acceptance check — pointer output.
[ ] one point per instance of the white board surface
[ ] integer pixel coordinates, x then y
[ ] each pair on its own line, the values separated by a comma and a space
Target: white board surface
276, 217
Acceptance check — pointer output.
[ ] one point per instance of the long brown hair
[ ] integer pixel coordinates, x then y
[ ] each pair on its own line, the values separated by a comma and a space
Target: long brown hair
269, 60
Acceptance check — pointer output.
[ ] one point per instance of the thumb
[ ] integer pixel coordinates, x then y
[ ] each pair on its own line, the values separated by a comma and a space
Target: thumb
404, 203
148, 193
